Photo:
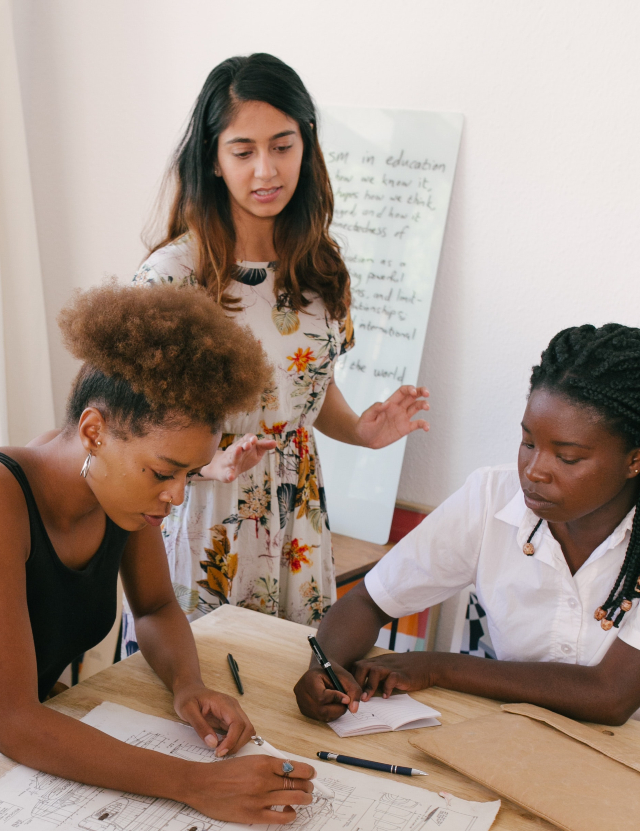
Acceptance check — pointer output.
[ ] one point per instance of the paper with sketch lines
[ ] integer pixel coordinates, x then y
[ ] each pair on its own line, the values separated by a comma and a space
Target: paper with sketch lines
42, 802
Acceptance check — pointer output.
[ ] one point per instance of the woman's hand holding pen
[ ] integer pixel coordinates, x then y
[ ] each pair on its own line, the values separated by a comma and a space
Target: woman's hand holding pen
318, 699
240, 456
244, 789
208, 711
387, 422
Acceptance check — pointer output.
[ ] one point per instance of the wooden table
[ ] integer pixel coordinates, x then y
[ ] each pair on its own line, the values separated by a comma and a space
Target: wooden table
354, 558
272, 654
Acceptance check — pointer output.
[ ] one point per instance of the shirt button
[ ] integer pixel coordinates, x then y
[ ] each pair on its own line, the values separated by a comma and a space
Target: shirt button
566, 648
572, 602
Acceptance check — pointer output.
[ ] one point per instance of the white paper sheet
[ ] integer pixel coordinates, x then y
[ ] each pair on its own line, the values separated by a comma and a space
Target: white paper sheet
42, 802
380, 715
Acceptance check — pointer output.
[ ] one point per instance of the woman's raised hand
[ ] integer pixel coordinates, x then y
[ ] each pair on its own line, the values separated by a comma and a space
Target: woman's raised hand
384, 423
242, 455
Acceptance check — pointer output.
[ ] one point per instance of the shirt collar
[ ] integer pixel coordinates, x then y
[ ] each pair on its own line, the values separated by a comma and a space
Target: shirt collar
516, 513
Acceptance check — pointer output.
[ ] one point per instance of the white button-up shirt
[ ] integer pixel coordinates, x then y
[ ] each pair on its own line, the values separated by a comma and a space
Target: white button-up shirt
536, 609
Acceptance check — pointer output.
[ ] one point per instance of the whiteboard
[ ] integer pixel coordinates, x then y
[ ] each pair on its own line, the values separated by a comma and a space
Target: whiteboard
392, 173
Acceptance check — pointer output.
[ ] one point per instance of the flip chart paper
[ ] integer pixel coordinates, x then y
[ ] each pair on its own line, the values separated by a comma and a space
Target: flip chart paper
392, 173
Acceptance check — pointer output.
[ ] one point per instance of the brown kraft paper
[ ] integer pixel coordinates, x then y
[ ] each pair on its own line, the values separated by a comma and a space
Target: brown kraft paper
570, 774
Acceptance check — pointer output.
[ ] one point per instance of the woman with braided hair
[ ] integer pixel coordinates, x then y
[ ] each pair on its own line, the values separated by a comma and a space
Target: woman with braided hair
89, 503
553, 548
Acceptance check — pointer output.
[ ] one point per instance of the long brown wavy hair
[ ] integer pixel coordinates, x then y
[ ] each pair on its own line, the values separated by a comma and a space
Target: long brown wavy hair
309, 260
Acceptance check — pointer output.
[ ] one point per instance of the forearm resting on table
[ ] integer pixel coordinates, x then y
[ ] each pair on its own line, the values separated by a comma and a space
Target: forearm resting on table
607, 693
588, 693
46, 740
166, 641
336, 419
351, 627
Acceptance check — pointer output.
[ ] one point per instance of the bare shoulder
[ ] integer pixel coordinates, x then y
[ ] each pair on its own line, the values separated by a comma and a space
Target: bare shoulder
16, 537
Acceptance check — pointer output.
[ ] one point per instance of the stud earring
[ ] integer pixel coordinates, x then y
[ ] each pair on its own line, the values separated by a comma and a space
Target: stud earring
86, 466
99, 443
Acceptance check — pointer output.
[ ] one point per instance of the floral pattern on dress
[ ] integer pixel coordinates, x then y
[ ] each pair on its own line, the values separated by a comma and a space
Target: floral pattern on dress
255, 504
274, 516
313, 601
220, 566
285, 317
295, 555
264, 596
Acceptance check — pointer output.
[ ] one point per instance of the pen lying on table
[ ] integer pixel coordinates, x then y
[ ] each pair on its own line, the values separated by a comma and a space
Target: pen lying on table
363, 763
235, 671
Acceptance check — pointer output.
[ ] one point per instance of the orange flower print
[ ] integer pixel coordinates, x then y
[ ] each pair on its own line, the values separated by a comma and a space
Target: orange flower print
276, 430
296, 555
301, 442
300, 359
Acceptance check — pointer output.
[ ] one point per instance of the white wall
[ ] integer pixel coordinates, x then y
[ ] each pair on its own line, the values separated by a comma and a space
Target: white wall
543, 231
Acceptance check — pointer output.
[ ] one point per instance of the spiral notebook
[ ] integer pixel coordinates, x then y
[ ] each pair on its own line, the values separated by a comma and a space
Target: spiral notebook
383, 715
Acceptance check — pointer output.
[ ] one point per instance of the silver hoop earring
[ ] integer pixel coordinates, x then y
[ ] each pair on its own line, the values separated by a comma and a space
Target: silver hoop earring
86, 466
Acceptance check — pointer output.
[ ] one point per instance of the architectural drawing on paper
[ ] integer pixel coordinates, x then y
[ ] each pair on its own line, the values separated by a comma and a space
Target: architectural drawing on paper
396, 813
130, 812
58, 799
344, 808
386, 812
183, 750
8, 811
62, 802
32, 801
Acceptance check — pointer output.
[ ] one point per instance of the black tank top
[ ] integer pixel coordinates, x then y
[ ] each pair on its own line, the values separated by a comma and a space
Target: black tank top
70, 611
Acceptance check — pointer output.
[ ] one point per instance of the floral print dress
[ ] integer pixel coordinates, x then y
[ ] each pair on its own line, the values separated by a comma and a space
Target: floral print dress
262, 541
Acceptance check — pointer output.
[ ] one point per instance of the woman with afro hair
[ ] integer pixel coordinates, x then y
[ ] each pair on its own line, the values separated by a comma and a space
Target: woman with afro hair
161, 372
552, 545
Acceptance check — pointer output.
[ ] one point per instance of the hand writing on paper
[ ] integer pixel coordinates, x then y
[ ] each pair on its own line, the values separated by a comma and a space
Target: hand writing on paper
318, 699
385, 423
242, 455
208, 711
404, 671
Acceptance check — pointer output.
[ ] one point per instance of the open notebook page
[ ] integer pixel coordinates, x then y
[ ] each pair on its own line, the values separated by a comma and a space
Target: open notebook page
380, 715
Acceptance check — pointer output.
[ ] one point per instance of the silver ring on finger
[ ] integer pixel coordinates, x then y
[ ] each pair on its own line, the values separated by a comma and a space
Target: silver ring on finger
287, 767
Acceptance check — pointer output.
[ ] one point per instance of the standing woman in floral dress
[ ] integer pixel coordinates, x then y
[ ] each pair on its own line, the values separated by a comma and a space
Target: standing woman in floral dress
250, 221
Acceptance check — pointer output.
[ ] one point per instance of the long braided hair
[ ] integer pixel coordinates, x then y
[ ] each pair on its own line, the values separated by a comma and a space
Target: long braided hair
600, 369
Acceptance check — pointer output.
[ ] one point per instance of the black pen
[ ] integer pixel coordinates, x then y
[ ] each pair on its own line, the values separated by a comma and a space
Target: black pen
326, 665
235, 671
363, 763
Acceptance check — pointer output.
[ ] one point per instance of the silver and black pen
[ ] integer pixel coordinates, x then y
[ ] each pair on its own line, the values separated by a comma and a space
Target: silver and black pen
326, 665
364, 763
